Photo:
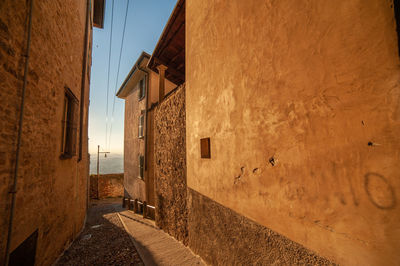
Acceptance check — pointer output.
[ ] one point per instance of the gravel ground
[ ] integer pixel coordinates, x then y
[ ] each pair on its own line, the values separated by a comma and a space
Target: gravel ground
104, 240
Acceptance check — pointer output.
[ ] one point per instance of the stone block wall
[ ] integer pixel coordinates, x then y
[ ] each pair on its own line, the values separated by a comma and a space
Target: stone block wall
107, 186
170, 165
223, 237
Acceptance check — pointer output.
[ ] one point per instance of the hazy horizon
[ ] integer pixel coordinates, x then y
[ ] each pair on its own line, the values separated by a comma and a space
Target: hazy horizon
112, 164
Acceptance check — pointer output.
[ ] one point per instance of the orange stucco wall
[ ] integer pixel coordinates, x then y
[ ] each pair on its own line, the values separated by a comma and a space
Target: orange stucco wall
133, 146
301, 102
154, 83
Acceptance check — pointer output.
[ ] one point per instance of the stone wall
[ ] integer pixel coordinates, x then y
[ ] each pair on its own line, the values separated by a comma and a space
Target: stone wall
223, 237
52, 192
109, 186
170, 171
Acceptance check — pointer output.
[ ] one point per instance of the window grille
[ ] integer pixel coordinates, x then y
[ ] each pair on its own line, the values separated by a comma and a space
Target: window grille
69, 125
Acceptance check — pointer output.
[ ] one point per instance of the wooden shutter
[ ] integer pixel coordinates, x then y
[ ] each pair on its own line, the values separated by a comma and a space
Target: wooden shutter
64, 125
73, 127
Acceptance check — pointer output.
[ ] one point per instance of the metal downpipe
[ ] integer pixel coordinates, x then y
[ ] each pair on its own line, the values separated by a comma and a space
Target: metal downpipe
17, 153
147, 76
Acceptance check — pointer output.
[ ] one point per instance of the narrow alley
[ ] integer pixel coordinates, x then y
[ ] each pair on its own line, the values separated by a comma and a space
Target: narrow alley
104, 240
116, 236
199, 132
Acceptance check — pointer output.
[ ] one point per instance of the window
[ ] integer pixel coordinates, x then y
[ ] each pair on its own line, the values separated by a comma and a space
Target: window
25, 253
141, 166
141, 125
69, 125
141, 89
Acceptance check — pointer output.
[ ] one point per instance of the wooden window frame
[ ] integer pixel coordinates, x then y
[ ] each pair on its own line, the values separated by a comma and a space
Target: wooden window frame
141, 167
141, 126
142, 89
69, 125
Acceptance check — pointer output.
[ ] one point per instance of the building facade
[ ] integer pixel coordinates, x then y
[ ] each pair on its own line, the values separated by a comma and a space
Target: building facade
300, 104
140, 92
280, 145
52, 39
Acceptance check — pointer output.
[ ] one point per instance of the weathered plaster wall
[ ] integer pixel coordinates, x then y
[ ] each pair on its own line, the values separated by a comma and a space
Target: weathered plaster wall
301, 102
170, 165
135, 187
107, 186
52, 193
133, 146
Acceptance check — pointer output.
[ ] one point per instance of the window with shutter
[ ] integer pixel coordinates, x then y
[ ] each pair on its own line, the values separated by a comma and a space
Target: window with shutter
141, 166
141, 126
69, 125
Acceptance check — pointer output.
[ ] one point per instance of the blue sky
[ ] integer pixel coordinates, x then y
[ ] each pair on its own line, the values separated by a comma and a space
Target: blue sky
145, 21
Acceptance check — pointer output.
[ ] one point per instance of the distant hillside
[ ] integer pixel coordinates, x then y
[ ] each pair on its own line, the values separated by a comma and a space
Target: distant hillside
113, 163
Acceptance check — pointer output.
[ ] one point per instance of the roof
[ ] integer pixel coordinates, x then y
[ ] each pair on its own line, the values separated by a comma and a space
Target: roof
98, 13
124, 90
170, 49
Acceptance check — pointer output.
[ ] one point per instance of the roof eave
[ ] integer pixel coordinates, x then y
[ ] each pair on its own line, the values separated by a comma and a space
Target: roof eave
120, 93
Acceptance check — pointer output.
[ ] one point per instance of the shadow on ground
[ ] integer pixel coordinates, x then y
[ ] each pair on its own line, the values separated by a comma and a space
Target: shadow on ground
104, 240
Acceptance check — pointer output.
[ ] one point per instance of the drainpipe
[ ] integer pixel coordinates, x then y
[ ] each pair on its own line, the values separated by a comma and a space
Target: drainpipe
145, 121
83, 86
83, 82
21, 116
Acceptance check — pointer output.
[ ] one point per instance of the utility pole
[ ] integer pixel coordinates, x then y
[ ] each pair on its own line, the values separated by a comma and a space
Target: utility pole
98, 167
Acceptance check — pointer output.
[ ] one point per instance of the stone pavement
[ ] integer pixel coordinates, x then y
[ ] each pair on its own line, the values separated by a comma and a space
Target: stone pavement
104, 240
154, 246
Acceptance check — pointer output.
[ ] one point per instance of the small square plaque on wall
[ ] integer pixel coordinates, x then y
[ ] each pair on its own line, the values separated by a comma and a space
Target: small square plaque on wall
205, 148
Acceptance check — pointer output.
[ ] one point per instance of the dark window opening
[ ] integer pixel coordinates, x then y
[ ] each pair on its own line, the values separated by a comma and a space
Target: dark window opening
142, 89
25, 253
69, 125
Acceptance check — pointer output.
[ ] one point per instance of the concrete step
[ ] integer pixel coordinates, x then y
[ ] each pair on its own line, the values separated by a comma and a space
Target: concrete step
154, 246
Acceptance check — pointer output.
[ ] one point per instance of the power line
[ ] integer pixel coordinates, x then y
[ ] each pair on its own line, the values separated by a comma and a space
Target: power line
109, 60
116, 80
